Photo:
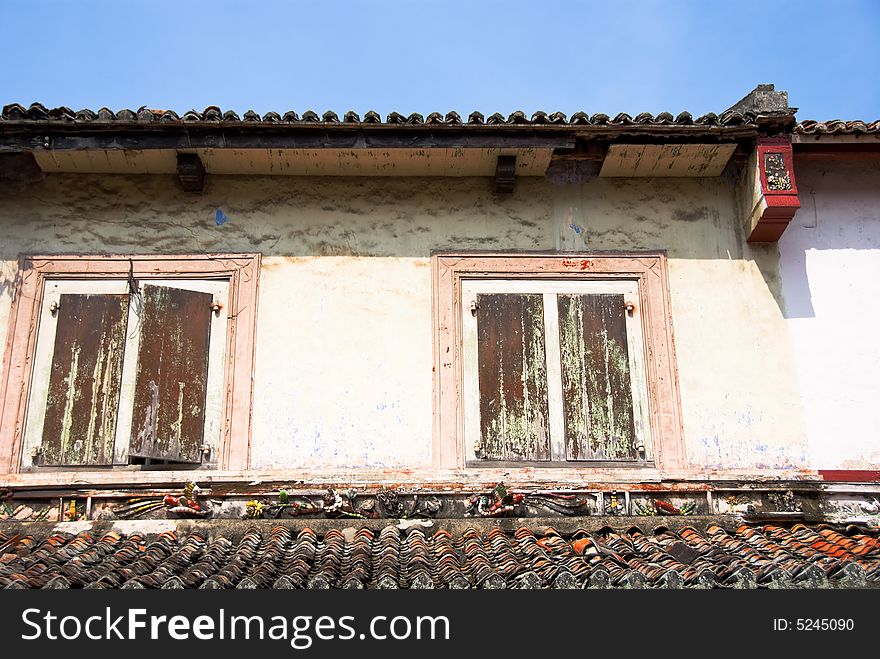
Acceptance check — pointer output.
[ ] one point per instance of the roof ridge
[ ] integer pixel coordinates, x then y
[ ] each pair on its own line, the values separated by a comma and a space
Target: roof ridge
16, 112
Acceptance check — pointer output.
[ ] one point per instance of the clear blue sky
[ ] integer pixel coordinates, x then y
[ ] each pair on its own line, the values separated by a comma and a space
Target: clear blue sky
630, 56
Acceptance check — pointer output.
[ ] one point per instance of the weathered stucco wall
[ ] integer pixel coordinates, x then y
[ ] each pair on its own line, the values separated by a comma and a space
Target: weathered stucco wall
830, 262
344, 353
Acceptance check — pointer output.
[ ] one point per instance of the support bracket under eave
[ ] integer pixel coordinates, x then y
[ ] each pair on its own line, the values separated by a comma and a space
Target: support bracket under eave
20, 167
505, 174
775, 188
190, 172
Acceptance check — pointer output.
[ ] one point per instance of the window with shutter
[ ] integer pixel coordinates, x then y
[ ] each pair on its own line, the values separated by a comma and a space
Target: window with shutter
171, 384
120, 360
552, 360
554, 371
127, 372
82, 397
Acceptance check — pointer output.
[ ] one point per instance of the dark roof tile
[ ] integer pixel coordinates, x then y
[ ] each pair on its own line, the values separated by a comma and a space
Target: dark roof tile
837, 127
61, 114
15, 112
709, 119
267, 556
37, 112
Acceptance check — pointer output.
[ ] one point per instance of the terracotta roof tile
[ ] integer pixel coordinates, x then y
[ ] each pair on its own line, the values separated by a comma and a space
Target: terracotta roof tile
837, 127
268, 556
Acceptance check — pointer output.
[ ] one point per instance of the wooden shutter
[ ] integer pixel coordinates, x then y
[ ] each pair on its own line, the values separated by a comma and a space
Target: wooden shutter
596, 380
172, 375
84, 384
514, 417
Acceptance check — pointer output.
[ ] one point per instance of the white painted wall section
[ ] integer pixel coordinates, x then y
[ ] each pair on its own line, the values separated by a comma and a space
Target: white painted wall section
830, 264
343, 363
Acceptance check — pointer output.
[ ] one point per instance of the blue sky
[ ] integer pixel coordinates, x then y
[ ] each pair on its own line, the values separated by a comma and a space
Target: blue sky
407, 56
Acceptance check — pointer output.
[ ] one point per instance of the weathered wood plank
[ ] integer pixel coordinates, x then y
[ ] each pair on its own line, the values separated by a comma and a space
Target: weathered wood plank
84, 385
172, 375
514, 416
287, 137
596, 378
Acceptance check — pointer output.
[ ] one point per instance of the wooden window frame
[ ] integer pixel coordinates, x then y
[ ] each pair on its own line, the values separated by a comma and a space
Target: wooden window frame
242, 271
649, 269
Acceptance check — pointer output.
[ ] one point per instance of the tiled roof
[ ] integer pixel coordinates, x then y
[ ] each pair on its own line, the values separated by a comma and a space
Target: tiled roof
836, 127
267, 556
214, 115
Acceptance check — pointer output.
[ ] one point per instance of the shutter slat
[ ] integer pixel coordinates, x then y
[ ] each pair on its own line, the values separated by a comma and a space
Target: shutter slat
172, 375
514, 417
596, 380
84, 384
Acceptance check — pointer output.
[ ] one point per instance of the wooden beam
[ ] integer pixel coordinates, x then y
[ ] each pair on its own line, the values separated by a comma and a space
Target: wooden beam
61, 139
505, 174
19, 167
191, 172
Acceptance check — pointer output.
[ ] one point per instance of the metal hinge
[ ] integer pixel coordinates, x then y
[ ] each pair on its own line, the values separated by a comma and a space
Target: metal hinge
36, 454
206, 451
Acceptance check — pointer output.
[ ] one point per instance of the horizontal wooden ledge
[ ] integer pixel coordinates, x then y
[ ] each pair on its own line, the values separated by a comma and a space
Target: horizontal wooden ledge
55, 139
452, 481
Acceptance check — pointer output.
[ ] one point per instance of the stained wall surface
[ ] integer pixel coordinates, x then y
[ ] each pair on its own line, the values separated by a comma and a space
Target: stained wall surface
344, 342
830, 263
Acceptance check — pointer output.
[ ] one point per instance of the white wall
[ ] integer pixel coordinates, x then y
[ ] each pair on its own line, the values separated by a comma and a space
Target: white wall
830, 265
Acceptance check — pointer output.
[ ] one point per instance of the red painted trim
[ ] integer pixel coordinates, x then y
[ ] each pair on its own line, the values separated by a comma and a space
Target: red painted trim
781, 205
782, 146
850, 475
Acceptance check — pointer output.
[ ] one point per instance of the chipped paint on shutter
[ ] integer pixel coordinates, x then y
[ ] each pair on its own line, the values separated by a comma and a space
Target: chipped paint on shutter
84, 385
596, 380
172, 373
514, 417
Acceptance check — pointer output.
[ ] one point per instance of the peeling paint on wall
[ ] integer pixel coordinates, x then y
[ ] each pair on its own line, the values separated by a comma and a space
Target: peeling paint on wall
716, 453
344, 321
